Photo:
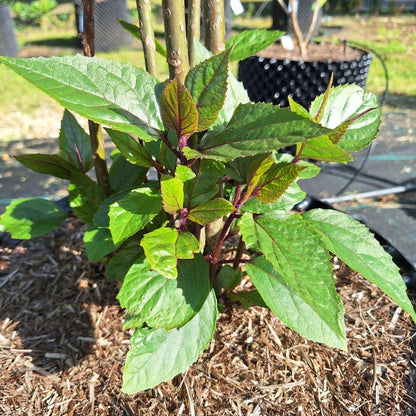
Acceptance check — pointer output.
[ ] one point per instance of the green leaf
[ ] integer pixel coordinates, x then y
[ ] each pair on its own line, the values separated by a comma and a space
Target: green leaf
323, 149
107, 92
351, 108
158, 355
85, 196
75, 144
249, 42
164, 246
179, 111
186, 245
209, 211
172, 194
123, 259
286, 202
207, 83
276, 180
248, 298
236, 93
258, 128
31, 217
354, 244
291, 309
98, 243
135, 31
203, 186
159, 302
257, 168
48, 164
125, 175
297, 253
132, 212
130, 148
227, 278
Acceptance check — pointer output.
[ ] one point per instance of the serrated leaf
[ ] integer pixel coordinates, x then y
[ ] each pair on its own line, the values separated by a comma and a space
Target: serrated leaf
107, 92
159, 302
323, 149
236, 93
172, 194
257, 168
31, 217
98, 241
179, 111
132, 212
297, 253
209, 211
353, 243
157, 355
164, 246
48, 164
207, 83
358, 111
291, 309
249, 42
75, 143
135, 31
273, 184
130, 148
258, 128
85, 196
286, 202
204, 185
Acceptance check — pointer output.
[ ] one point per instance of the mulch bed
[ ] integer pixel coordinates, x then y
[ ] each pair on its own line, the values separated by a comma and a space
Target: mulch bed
62, 349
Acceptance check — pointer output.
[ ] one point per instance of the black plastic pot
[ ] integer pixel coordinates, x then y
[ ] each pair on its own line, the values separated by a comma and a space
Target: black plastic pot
8, 44
273, 80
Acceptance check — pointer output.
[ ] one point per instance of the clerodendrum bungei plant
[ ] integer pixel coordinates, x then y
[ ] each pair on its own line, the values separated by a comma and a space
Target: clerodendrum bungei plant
198, 196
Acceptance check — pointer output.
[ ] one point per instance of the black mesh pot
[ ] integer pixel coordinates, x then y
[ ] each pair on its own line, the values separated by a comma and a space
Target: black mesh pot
272, 80
8, 44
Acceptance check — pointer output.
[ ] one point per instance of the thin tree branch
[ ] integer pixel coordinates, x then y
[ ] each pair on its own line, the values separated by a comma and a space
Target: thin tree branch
214, 25
194, 27
175, 35
144, 9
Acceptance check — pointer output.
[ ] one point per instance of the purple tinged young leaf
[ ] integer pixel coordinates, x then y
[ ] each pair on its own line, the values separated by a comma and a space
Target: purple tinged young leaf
179, 111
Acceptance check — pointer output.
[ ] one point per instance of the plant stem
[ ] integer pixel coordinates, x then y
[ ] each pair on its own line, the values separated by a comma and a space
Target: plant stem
175, 36
144, 9
214, 25
96, 137
194, 27
239, 253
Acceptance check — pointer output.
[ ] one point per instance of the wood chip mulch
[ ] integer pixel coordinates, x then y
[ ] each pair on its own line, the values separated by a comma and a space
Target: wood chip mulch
62, 349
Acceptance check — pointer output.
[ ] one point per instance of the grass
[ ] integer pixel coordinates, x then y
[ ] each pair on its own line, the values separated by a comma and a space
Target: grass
392, 37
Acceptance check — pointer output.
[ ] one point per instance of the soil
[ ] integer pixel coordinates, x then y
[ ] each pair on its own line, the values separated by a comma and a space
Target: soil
62, 349
315, 52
